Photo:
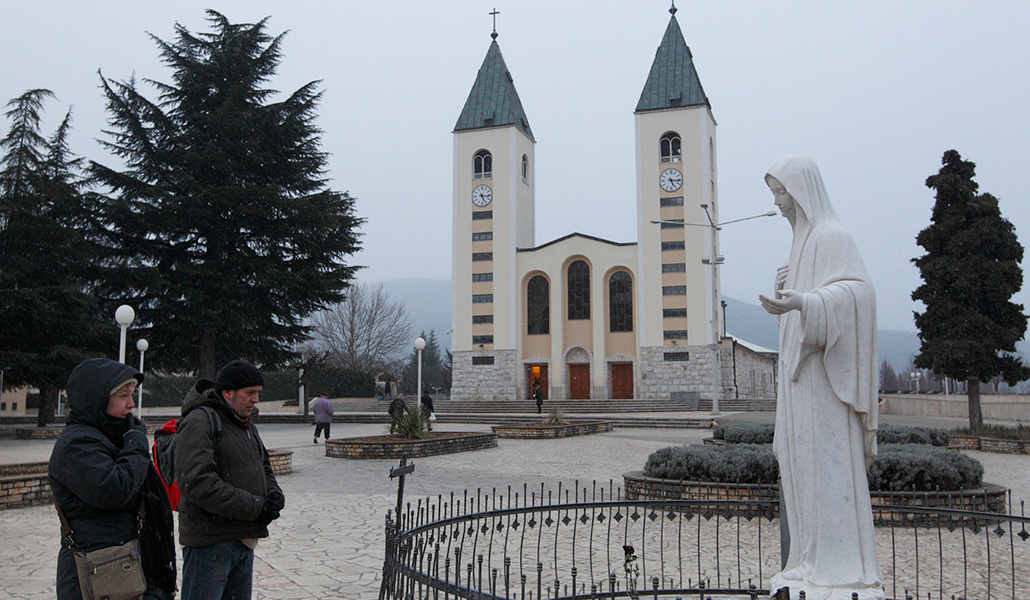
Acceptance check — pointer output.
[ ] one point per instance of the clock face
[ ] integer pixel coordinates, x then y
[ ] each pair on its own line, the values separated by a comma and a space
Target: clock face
670, 180
482, 195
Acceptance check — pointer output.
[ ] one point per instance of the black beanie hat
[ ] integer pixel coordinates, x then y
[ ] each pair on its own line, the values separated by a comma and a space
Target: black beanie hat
238, 374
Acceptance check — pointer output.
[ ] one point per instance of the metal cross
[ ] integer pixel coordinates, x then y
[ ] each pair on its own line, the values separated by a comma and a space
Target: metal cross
494, 15
401, 471
672, 10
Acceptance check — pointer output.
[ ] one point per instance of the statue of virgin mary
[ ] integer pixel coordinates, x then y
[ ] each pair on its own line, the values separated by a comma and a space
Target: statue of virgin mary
826, 409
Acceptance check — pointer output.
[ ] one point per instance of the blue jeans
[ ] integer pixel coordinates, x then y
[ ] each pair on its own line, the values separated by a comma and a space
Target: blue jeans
220, 572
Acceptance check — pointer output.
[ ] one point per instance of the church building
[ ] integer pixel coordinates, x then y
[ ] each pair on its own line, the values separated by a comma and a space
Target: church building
584, 317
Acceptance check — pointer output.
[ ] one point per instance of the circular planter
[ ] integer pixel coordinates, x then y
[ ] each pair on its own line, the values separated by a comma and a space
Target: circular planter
393, 447
539, 431
988, 498
282, 461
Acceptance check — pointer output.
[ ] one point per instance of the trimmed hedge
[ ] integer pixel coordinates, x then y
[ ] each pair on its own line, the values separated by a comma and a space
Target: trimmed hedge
740, 463
923, 468
886, 434
169, 390
898, 434
918, 467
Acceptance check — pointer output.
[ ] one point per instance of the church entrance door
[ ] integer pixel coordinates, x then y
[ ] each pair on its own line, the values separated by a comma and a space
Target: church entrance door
622, 380
579, 382
536, 374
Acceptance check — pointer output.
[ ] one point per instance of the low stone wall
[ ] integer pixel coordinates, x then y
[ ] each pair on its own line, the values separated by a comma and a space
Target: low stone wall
282, 461
540, 431
995, 407
382, 447
987, 444
989, 498
23, 485
38, 433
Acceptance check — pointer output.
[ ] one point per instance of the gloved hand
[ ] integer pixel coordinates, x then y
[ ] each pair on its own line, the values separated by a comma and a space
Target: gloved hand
274, 503
136, 436
136, 423
276, 499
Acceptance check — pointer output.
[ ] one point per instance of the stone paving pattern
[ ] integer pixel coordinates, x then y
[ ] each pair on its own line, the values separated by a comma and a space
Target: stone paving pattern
329, 541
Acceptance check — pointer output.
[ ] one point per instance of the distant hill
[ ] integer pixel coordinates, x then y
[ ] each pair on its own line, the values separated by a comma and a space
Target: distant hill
429, 306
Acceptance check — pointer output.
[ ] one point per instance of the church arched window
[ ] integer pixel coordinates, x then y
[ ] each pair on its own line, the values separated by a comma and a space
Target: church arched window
538, 306
669, 147
579, 290
620, 302
482, 165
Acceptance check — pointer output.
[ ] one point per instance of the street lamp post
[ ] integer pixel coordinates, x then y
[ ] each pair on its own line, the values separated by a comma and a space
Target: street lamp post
142, 346
915, 377
714, 260
420, 345
124, 316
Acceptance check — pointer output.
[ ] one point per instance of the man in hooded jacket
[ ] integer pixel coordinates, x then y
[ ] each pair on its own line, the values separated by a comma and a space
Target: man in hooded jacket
229, 494
100, 473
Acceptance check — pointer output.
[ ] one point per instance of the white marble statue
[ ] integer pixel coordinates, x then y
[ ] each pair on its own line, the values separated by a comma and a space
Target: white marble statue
826, 410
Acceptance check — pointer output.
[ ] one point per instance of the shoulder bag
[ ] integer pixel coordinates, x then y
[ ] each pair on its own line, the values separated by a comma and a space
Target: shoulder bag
112, 573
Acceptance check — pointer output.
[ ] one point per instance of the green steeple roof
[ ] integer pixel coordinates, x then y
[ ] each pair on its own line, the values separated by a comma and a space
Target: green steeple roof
493, 101
673, 81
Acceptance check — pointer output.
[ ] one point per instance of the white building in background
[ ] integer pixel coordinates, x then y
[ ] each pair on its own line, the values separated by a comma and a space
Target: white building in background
581, 316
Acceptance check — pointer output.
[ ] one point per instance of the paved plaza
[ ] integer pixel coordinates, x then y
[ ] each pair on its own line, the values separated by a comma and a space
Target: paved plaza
329, 541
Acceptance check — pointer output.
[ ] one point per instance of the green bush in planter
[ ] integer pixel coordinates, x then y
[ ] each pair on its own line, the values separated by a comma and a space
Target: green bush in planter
923, 468
898, 434
738, 463
897, 467
744, 434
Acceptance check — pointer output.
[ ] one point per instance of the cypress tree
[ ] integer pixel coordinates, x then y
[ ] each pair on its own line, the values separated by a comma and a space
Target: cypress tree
970, 271
51, 323
224, 233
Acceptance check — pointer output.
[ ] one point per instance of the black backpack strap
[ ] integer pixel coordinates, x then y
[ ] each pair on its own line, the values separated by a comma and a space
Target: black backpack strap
216, 422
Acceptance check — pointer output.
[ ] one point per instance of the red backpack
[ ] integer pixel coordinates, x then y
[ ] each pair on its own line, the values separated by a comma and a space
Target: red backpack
164, 457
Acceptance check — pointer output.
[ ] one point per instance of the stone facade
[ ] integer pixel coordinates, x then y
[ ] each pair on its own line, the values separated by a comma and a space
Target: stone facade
661, 378
747, 374
485, 381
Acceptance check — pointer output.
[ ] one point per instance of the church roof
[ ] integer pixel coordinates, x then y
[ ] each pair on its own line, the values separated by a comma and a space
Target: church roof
493, 101
673, 81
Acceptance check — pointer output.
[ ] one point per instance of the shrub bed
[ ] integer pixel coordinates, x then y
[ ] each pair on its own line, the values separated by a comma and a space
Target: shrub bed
909, 467
1020, 432
886, 434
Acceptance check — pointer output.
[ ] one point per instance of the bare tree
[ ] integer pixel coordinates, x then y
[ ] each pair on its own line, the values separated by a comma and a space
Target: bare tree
366, 332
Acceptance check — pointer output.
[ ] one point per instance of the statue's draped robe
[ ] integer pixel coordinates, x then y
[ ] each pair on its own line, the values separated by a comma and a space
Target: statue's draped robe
826, 414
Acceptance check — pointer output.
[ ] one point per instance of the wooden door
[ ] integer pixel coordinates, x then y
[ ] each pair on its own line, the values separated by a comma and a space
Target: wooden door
579, 382
537, 374
622, 380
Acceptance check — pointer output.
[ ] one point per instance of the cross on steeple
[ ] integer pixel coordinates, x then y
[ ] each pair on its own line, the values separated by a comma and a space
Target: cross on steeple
494, 15
672, 11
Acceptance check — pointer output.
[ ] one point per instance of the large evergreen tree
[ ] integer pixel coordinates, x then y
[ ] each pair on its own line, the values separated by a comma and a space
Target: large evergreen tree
224, 233
50, 322
970, 271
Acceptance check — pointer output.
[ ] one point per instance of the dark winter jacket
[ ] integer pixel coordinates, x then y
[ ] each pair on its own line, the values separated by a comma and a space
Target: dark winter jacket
224, 483
100, 472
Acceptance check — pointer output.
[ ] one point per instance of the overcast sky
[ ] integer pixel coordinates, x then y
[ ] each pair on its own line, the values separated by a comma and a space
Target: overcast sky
874, 91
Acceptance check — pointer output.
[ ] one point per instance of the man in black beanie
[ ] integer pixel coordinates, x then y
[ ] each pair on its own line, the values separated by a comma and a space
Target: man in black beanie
229, 494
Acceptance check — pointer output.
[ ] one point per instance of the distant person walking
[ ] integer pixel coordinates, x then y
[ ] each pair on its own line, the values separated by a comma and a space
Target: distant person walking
323, 410
396, 411
427, 410
538, 395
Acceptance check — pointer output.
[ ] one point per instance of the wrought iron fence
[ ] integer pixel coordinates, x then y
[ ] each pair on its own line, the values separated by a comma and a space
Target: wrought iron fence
588, 541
